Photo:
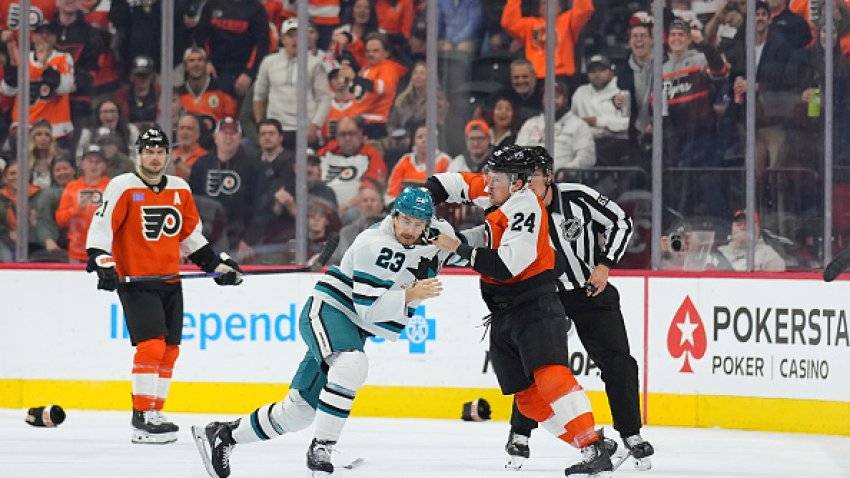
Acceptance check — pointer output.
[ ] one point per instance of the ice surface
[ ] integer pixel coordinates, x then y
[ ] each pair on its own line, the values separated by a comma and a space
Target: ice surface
97, 444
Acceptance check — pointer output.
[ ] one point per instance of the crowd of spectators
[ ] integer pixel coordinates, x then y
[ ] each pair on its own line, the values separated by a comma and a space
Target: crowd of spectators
94, 85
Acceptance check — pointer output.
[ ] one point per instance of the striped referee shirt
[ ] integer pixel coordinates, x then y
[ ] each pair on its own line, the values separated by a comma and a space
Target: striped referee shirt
586, 229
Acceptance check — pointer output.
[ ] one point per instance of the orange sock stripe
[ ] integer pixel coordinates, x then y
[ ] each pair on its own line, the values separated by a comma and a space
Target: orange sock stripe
169, 357
144, 402
158, 403
554, 381
532, 405
581, 431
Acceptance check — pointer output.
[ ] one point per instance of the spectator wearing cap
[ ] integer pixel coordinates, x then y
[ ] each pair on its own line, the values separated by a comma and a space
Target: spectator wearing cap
201, 94
107, 114
276, 90
574, 144
790, 26
228, 174
374, 87
459, 24
188, 150
395, 17
80, 200
526, 92
43, 148
85, 44
606, 109
691, 79
531, 32
765, 257
411, 168
117, 163
39, 237
348, 159
351, 37
478, 147
140, 99
341, 103
771, 85
235, 34
51, 82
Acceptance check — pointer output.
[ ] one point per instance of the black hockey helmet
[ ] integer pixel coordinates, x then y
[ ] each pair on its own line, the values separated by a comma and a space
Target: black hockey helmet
512, 159
542, 159
153, 136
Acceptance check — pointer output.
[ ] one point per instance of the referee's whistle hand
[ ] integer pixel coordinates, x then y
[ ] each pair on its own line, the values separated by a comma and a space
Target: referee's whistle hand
599, 279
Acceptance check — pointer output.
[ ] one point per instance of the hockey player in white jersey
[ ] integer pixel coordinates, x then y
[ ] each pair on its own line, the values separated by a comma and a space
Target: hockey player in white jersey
388, 270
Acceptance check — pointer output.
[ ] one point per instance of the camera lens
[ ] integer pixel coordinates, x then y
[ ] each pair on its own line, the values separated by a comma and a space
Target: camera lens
676, 243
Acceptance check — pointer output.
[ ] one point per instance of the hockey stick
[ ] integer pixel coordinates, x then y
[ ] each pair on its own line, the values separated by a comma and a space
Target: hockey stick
354, 464
837, 265
324, 256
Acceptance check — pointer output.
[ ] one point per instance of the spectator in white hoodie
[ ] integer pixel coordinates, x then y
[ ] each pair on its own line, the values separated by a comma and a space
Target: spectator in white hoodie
574, 144
605, 108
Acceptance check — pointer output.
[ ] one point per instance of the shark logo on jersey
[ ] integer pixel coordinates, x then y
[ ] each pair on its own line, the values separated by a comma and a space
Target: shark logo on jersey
426, 268
343, 173
159, 220
222, 181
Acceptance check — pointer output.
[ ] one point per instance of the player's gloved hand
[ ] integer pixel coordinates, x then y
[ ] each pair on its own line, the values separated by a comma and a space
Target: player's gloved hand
104, 265
231, 273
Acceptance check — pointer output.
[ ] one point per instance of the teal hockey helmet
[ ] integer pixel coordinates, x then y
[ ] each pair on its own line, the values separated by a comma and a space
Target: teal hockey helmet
415, 202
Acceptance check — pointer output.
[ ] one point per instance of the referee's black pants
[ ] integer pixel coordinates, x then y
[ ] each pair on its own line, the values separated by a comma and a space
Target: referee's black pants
602, 330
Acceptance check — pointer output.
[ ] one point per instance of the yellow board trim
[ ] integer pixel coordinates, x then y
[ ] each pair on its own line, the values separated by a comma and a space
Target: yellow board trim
768, 414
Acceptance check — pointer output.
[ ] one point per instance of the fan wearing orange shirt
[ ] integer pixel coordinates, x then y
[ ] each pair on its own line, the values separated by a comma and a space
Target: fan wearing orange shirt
80, 199
411, 167
146, 220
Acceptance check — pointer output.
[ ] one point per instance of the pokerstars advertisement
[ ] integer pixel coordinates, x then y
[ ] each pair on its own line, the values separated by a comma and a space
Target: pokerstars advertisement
784, 339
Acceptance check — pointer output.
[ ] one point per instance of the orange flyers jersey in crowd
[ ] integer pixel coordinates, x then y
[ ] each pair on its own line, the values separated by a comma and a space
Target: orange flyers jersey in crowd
337, 112
375, 105
407, 169
213, 102
518, 229
531, 32
322, 12
146, 227
396, 18
72, 214
40, 11
54, 106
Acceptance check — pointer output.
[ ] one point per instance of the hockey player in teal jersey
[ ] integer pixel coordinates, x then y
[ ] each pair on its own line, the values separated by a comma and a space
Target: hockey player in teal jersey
388, 270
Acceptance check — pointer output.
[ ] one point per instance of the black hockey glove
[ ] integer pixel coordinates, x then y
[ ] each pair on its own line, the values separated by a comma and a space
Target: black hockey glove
104, 265
50, 77
231, 273
206, 259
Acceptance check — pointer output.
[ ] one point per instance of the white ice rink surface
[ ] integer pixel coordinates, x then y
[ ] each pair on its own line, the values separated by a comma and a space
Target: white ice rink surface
97, 444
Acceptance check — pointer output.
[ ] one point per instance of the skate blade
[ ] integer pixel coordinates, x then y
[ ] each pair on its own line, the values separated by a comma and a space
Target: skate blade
317, 474
145, 438
619, 458
643, 464
199, 435
515, 462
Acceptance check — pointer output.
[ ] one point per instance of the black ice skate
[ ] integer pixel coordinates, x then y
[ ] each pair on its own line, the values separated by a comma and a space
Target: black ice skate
518, 451
215, 444
640, 450
319, 457
171, 425
148, 427
594, 460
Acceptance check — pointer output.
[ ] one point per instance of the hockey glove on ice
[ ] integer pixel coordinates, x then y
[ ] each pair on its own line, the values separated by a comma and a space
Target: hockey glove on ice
104, 265
231, 273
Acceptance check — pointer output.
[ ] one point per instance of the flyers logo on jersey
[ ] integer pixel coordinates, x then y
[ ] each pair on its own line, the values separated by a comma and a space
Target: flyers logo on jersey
343, 173
222, 181
159, 220
93, 195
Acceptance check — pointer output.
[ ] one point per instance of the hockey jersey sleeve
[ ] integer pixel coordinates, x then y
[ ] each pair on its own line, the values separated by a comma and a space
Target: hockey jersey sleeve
463, 188
375, 300
191, 233
108, 217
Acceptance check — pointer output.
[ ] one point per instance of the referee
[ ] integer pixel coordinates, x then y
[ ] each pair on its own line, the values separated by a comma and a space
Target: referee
590, 233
